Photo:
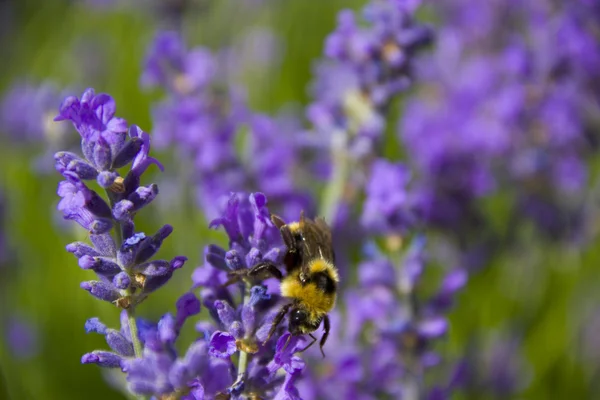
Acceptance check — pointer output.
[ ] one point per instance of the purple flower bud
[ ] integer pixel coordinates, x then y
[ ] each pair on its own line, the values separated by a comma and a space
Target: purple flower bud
237, 329
67, 161
167, 329
129, 248
222, 345
149, 247
155, 282
273, 255
94, 325
82, 205
234, 261
154, 268
105, 244
100, 265
454, 281
106, 179
215, 256
79, 249
141, 197
226, 313
253, 257
178, 262
127, 153
258, 293
101, 290
102, 358
100, 226
122, 280
229, 219
142, 160
433, 328
102, 155
118, 343
388, 206
187, 305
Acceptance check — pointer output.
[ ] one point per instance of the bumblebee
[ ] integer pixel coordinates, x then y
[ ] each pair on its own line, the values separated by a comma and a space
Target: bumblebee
311, 277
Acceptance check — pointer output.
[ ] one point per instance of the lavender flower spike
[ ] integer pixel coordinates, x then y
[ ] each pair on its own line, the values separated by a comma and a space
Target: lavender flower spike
119, 256
243, 325
366, 65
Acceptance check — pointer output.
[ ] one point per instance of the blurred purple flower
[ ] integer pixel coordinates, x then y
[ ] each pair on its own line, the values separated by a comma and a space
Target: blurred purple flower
26, 114
365, 67
204, 114
383, 344
21, 337
504, 107
388, 206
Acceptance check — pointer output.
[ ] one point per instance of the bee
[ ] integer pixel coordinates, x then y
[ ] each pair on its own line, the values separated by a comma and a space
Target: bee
311, 278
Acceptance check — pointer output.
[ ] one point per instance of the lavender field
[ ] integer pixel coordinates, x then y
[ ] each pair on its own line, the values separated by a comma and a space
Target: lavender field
163, 162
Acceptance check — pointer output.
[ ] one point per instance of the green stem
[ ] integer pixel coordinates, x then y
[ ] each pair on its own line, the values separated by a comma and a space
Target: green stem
133, 330
243, 359
334, 191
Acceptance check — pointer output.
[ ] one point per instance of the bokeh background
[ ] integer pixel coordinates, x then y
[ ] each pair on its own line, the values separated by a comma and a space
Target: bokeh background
530, 319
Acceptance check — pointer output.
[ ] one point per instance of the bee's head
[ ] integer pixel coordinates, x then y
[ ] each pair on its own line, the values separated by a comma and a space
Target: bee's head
301, 322
298, 319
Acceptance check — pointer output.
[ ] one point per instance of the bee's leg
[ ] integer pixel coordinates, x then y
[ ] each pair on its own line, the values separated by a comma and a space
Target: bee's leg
287, 342
314, 339
235, 277
277, 320
277, 221
292, 257
265, 268
326, 327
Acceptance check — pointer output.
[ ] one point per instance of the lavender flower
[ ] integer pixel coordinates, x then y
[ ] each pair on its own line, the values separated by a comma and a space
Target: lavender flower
390, 327
389, 207
495, 366
123, 263
365, 68
21, 336
34, 127
505, 108
267, 369
204, 115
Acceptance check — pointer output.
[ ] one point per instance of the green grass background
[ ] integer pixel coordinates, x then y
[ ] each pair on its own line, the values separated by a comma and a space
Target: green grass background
539, 291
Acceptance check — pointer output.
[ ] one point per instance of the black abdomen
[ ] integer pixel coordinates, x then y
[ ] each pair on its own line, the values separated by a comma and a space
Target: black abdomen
324, 282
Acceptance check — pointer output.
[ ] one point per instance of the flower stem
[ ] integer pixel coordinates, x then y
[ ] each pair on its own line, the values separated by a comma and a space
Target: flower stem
243, 359
133, 330
334, 191
412, 381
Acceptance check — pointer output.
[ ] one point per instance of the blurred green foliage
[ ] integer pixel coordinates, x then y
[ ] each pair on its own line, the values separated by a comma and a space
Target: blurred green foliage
539, 292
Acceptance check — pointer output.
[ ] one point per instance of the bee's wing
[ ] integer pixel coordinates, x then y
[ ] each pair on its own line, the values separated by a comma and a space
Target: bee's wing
317, 240
326, 242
